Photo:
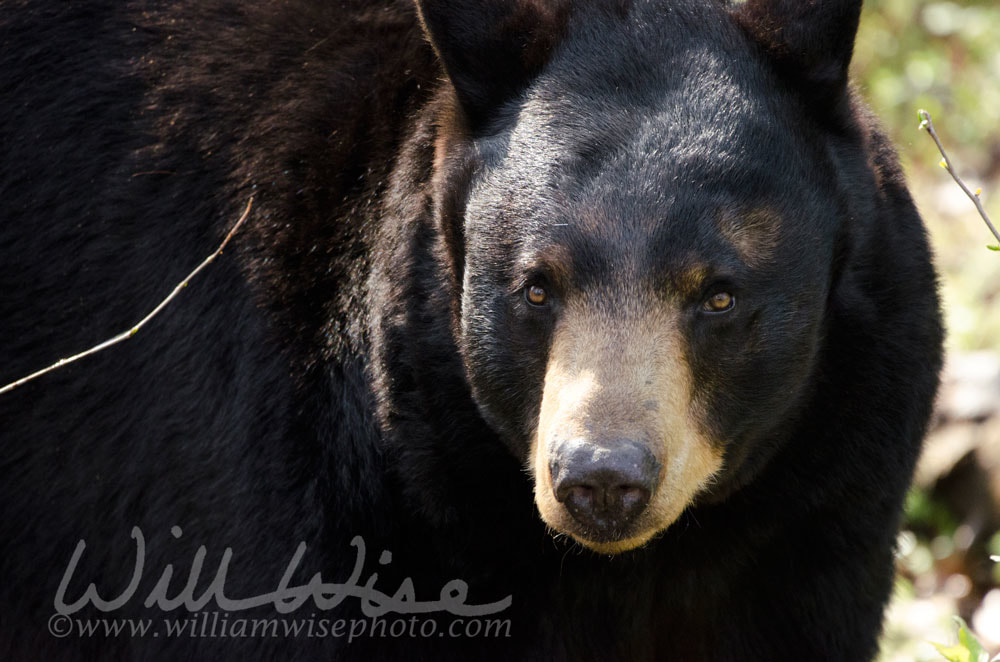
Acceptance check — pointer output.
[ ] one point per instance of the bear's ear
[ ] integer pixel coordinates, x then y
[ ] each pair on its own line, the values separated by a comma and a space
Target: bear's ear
810, 41
491, 49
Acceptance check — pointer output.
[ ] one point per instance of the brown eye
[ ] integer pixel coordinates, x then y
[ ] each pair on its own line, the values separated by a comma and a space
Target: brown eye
536, 295
720, 302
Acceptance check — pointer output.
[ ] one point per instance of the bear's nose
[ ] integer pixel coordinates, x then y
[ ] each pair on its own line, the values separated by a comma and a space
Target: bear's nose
604, 486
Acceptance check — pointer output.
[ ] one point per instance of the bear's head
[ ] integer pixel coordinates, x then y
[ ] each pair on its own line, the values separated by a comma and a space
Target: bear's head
645, 203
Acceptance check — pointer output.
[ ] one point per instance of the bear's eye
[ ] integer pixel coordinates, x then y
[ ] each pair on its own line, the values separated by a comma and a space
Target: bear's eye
536, 295
720, 302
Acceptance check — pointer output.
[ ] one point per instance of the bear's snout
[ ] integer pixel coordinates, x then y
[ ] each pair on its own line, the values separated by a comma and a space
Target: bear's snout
620, 449
604, 486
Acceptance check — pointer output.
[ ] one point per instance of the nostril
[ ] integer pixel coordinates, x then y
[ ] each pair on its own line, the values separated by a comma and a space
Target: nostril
581, 493
580, 498
632, 498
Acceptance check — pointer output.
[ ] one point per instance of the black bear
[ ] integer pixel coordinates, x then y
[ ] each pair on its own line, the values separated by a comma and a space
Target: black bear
598, 330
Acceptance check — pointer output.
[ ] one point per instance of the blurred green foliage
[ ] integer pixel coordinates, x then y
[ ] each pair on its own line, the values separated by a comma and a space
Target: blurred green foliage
944, 57
968, 648
941, 56
928, 516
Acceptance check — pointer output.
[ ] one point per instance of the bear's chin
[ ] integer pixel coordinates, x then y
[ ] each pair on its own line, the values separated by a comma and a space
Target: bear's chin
613, 547
633, 537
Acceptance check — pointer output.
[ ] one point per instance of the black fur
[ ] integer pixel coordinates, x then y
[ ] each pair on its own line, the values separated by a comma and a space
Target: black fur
357, 362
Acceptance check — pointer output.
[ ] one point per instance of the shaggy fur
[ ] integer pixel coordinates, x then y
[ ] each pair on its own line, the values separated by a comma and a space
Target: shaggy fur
360, 361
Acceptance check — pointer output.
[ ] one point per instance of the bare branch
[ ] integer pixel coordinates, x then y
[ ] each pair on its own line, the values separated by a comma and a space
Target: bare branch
926, 123
125, 335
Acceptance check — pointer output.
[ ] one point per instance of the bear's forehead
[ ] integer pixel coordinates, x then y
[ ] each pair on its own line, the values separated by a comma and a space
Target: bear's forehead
710, 124
641, 196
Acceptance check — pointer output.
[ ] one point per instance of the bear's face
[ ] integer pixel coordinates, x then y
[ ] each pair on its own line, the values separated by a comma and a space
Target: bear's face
647, 264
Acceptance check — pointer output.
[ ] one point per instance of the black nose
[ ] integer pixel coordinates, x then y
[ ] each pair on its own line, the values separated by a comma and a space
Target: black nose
604, 486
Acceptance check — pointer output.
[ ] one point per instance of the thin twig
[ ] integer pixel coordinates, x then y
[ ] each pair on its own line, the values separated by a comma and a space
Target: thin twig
926, 123
121, 337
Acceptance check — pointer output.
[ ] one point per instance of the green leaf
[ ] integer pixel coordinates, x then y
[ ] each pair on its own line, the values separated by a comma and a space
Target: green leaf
967, 639
994, 248
954, 653
968, 648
